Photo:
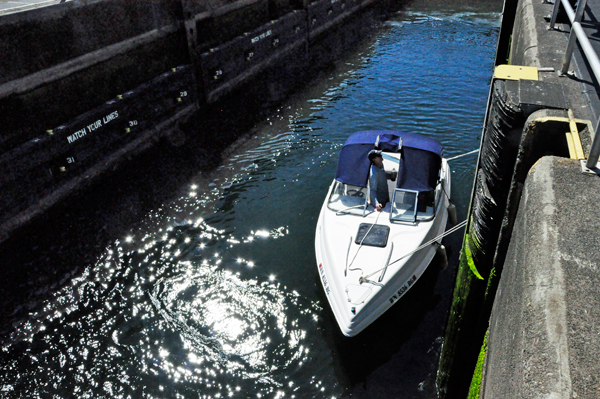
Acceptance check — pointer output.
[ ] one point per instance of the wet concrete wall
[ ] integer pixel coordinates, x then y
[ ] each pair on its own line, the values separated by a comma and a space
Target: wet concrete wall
85, 85
79, 55
80, 82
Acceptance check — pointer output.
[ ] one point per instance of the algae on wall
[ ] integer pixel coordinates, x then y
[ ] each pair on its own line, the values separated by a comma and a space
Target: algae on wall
475, 388
457, 350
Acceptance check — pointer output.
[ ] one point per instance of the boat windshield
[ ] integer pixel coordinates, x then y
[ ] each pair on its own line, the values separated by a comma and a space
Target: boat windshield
347, 198
410, 206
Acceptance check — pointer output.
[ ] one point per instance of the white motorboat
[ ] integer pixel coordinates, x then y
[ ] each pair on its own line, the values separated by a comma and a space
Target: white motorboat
368, 259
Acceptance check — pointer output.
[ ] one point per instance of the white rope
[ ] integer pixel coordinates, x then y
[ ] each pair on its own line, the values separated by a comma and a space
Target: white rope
460, 156
428, 243
361, 244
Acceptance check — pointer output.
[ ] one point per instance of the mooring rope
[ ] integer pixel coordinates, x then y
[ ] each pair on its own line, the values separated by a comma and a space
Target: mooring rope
462, 155
428, 243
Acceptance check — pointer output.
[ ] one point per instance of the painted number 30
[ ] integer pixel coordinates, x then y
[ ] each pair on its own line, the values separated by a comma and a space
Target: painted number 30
133, 123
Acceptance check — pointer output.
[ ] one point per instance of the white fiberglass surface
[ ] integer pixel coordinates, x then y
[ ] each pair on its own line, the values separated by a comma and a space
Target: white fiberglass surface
348, 261
357, 304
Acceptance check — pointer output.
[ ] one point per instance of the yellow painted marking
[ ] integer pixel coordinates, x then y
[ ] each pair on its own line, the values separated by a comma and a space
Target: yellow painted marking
578, 149
572, 152
516, 72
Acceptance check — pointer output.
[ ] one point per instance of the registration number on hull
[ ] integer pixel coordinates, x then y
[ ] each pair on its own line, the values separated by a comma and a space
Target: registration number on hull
324, 279
403, 289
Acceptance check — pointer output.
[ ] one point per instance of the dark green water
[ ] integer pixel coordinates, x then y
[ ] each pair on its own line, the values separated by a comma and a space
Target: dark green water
214, 293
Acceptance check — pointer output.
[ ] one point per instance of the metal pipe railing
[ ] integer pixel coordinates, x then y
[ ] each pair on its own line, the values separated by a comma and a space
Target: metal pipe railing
573, 37
590, 53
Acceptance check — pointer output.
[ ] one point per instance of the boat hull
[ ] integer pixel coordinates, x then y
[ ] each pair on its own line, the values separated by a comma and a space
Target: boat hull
390, 271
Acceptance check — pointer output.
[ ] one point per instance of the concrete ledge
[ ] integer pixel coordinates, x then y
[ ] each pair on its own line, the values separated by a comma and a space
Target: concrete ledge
78, 64
16, 6
525, 48
544, 336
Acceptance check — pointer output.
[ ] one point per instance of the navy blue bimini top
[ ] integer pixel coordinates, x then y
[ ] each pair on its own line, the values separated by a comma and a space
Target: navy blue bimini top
419, 166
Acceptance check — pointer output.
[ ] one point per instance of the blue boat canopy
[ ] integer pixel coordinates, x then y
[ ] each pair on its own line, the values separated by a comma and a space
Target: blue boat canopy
419, 166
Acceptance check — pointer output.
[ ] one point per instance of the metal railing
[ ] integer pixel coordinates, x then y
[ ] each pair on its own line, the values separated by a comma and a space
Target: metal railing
590, 54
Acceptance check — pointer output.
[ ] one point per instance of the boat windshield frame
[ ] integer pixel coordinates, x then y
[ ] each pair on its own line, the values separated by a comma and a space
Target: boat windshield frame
347, 198
421, 208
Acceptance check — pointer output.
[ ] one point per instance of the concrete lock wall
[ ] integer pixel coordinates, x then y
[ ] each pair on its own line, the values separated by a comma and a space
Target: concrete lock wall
84, 85
520, 293
548, 292
80, 81
81, 54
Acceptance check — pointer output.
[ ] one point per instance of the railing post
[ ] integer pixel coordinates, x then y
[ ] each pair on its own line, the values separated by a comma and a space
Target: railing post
580, 10
568, 10
555, 10
592, 160
577, 32
572, 36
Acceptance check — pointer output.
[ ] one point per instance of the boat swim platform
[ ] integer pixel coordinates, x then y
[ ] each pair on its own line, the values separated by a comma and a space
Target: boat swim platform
538, 330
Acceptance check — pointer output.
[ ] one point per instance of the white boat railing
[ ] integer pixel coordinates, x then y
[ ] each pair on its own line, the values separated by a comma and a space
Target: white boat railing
577, 33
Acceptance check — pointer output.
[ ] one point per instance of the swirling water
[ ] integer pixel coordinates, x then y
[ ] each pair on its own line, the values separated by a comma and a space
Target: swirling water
215, 293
